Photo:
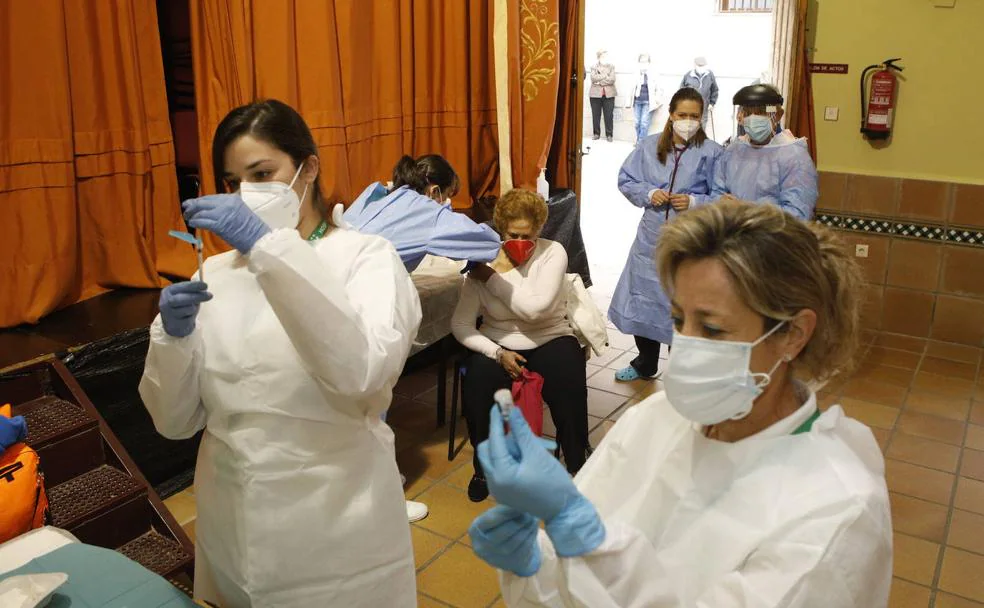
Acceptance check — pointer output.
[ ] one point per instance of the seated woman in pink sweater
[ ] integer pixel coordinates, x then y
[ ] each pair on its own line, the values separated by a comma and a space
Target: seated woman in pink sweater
520, 300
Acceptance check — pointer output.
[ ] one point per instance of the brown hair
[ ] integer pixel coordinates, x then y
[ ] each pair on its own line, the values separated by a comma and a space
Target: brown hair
666, 140
277, 124
428, 170
780, 266
520, 204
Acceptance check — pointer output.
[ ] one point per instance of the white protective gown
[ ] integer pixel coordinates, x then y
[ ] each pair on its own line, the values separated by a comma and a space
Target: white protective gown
776, 519
288, 370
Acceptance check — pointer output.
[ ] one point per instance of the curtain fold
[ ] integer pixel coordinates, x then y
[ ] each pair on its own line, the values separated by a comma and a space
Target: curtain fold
534, 74
790, 67
561, 166
88, 187
373, 80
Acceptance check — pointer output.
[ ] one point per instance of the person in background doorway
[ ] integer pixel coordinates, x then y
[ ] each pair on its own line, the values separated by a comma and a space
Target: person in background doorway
521, 302
731, 488
702, 79
416, 215
286, 360
666, 175
767, 164
602, 94
645, 98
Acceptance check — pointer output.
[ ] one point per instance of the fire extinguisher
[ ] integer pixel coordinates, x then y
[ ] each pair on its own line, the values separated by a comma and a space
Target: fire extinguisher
876, 117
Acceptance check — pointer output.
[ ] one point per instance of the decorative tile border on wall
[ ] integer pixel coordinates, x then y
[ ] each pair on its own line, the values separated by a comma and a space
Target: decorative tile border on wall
922, 231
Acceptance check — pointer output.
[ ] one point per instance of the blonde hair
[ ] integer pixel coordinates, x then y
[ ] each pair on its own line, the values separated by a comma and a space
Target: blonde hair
520, 204
780, 266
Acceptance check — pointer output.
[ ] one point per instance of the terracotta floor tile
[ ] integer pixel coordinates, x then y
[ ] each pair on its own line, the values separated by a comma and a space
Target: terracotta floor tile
899, 342
890, 356
945, 600
500, 603
979, 391
429, 397
882, 436
961, 574
618, 413
450, 511
972, 466
416, 418
426, 545
970, 495
937, 405
943, 385
975, 437
918, 482
417, 486
607, 357
652, 387
182, 506
918, 518
619, 362
915, 559
953, 352
601, 403
459, 578
924, 452
875, 392
932, 427
189, 529
416, 384
908, 595
977, 412
607, 382
885, 374
617, 339
872, 414
599, 433
461, 476
430, 459
425, 602
590, 369
952, 369
966, 531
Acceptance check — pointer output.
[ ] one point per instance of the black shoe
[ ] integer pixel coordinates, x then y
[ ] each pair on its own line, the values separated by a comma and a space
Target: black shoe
478, 489
596, 137
609, 138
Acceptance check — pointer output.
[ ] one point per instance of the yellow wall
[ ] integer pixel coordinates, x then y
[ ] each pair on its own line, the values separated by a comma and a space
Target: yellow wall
939, 122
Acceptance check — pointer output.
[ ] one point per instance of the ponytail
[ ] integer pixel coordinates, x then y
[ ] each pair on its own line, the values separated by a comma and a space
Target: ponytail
428, 170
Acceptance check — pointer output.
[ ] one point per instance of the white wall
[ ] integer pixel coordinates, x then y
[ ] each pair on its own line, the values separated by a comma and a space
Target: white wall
738, 48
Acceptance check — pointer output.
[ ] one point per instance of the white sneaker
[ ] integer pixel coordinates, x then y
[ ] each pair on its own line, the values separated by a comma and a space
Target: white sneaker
416, 511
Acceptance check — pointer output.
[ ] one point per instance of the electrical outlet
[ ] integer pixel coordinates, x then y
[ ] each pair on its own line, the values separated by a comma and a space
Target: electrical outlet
861, 251
831, 113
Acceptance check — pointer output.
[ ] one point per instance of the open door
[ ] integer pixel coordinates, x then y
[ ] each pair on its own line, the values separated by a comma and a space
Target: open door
564, 163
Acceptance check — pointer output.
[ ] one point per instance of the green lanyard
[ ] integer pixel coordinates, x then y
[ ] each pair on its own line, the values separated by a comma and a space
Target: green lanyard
806, 426
319, 232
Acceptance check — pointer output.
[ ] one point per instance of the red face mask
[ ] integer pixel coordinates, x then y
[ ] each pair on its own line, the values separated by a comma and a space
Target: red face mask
519, 250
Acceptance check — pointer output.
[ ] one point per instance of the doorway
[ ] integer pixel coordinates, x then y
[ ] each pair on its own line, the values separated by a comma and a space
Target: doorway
736, 37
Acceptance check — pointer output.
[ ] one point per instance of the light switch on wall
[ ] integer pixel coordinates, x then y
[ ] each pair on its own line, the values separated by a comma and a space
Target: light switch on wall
945, 3
831, 113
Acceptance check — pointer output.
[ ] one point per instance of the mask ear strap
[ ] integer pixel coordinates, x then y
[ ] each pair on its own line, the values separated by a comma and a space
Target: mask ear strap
296, 175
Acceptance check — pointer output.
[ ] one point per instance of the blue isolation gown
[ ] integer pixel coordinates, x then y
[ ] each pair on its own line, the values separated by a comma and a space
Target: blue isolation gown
417, 225
781, 173
639, 306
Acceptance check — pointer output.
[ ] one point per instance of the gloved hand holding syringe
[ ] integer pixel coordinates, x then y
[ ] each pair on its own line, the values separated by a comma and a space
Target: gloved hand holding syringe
503, 399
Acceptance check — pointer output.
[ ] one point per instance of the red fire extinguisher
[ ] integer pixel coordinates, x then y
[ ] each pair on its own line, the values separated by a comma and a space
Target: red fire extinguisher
876, 118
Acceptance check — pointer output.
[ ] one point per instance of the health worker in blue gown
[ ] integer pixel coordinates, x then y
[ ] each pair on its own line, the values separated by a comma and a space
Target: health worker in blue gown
766, 164
666, 175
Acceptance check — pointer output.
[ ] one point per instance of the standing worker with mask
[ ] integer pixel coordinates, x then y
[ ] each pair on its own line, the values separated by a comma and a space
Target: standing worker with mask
645, 98
702, 79
665, 176
287, 359
731, 488
602, 94
767, 164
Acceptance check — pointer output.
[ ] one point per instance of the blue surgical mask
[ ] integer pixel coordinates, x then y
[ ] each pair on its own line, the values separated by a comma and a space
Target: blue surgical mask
759, 128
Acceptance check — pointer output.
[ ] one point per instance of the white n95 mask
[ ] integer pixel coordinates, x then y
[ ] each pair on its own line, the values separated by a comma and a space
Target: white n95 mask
708, 381
275, 203
686, 129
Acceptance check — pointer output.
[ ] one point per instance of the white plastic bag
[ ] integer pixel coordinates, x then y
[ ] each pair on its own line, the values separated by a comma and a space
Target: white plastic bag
30, 590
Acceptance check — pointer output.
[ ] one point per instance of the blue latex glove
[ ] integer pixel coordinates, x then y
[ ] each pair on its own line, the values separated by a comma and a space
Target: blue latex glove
179, 307
12, 430
506, 539
522, 475
227, 216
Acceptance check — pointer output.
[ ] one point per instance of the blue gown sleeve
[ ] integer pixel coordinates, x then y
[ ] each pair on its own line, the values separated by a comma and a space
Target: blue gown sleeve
798, 184
457, 237
720, 180
712, 158
635, 182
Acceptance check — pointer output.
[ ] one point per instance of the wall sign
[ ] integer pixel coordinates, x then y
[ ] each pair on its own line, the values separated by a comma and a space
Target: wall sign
828, 68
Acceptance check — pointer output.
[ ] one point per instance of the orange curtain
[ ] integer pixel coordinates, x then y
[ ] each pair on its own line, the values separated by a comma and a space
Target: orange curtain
561, 166
87, 179
373, 80
534, 74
